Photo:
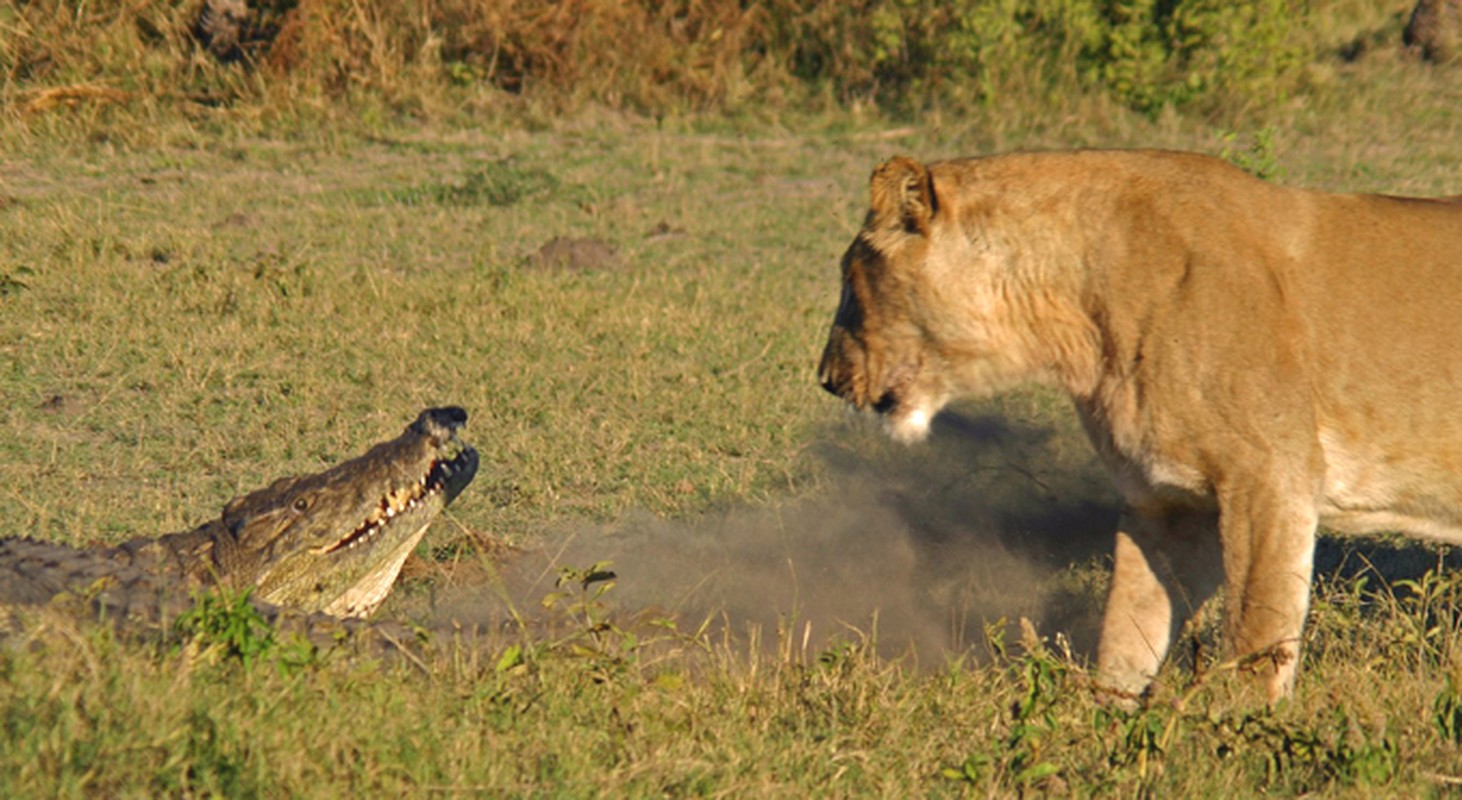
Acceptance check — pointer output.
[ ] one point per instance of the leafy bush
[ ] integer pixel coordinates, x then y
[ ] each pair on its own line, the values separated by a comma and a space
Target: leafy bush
1152, 53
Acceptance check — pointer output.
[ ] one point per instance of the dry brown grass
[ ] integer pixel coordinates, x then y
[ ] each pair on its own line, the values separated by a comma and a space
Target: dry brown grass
636, 55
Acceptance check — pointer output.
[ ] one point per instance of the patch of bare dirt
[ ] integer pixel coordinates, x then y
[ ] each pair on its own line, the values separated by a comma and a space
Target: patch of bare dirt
583, 254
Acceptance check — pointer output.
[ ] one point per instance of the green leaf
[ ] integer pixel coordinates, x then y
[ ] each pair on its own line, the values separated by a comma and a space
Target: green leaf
511, 657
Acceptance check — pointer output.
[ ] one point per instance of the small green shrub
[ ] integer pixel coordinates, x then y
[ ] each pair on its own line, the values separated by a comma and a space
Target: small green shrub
227, 624
1148, 54
1024, 759
1154, 53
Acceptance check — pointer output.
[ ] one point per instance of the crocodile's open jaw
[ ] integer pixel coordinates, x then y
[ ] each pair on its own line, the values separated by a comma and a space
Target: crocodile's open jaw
392, 532
335, 541
404, 502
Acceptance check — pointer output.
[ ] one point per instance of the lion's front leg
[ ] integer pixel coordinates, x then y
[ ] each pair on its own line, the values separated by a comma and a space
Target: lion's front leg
1166, 566
1268, 554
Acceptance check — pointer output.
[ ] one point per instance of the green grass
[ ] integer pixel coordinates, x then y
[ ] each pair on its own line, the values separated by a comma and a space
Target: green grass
190, 309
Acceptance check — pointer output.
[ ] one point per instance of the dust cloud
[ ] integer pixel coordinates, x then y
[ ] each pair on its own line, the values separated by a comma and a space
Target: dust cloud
919, 547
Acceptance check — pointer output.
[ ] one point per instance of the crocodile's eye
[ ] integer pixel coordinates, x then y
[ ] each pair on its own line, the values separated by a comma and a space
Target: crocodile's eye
302, 503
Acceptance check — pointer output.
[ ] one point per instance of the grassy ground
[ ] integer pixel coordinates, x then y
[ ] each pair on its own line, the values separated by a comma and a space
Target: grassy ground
190, 310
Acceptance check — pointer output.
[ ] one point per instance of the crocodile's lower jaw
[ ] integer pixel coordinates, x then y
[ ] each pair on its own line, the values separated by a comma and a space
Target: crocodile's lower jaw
362, 599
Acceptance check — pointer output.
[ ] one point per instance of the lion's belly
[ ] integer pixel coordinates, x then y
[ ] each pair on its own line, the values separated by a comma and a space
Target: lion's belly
1371, 490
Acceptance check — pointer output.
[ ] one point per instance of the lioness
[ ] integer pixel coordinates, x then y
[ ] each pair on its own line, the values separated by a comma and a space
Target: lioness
1249, 360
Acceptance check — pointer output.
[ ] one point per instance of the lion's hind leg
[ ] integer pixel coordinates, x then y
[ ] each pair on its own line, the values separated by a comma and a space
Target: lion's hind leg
1166, 567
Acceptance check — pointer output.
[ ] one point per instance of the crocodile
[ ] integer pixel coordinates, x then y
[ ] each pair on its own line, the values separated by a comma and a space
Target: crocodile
330, 543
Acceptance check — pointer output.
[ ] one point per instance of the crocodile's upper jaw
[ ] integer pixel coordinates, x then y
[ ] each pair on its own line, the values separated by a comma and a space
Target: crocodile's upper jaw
335, 541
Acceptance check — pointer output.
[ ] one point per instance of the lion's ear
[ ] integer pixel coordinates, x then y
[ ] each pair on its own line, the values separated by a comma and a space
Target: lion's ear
902, 196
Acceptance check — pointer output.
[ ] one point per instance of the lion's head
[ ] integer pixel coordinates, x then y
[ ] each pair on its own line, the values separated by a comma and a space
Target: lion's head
947, 294
876, 355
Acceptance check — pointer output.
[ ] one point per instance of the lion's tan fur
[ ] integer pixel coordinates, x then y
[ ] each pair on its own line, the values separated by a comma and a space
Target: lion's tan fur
1250, 361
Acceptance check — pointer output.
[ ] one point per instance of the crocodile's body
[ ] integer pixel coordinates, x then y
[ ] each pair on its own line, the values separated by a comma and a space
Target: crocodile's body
332, 542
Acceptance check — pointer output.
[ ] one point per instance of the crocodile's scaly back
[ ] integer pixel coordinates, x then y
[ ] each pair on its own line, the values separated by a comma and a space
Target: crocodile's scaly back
331, 542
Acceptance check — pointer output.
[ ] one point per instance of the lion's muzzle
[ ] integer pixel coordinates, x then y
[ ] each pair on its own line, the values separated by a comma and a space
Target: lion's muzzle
837, 372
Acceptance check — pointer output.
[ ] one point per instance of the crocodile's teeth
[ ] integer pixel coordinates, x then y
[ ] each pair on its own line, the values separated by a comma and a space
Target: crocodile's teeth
397, 501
